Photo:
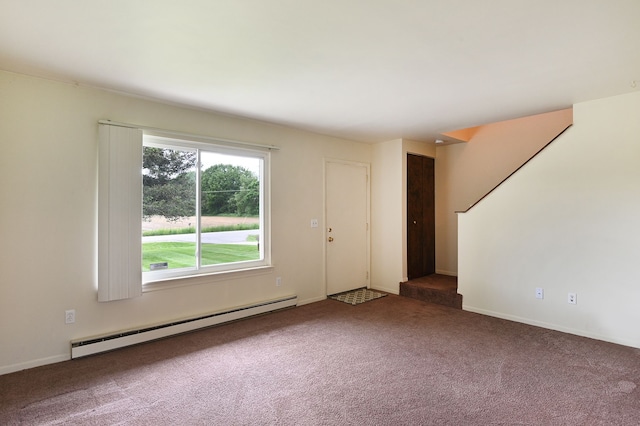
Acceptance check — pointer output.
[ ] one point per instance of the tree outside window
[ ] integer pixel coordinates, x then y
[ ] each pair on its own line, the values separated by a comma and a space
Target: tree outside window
222, 229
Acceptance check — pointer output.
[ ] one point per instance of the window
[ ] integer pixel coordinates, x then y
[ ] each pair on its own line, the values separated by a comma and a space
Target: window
203, 202
204, 208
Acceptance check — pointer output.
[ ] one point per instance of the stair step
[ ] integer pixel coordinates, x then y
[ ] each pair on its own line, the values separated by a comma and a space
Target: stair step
439, 289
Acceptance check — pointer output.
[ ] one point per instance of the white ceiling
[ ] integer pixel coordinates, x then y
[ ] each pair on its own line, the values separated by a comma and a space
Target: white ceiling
369, 70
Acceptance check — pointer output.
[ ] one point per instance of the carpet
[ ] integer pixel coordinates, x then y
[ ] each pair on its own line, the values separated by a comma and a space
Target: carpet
397, 361
355, 297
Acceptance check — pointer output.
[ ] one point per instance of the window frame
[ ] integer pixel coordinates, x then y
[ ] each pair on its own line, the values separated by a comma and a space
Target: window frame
226, 148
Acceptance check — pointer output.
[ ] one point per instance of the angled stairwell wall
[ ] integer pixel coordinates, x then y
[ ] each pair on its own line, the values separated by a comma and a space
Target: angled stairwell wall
465, 172
567, 222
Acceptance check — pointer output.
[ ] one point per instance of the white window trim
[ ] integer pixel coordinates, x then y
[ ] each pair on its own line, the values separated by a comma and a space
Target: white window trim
265, 237
113, 285
206, 278
155, 131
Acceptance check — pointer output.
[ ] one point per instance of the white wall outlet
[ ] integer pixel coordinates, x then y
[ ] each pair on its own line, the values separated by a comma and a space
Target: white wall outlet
572, 298
278, 281
539, 293
314, 223
70, 316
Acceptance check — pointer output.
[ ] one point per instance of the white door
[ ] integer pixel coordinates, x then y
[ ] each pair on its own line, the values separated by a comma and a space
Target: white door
347, 226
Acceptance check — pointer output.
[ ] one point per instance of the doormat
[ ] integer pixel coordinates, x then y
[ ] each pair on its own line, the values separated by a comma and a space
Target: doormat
360, 295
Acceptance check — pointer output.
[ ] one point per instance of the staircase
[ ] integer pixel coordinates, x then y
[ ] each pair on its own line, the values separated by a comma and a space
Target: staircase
436, 288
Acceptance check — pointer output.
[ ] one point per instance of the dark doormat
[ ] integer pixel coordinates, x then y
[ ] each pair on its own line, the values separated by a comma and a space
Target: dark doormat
361, 295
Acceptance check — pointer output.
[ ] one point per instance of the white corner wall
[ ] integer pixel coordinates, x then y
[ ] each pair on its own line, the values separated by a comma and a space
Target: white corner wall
569, 221
48, 217
386, 216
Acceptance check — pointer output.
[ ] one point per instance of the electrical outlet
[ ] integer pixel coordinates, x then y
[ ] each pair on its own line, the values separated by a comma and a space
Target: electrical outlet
70, 316
278, 281
539, 293
572, 298
314, 223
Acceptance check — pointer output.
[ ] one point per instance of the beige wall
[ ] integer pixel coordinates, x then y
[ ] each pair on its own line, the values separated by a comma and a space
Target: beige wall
48, 135
569, 221
389, 211
386, 216
467, 171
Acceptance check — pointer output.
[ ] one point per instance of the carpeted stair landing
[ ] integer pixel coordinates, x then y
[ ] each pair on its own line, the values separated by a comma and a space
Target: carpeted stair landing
436, 288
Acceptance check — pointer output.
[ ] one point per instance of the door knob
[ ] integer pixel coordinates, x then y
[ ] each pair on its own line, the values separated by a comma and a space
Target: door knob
330, 239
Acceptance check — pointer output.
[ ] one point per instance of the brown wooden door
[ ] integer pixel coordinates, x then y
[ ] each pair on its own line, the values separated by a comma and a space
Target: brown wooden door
421, 228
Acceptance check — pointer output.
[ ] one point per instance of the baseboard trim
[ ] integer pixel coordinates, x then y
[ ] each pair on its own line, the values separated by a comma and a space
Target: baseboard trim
389, 290
108, 342
312, 300
449, 273
551, 326
33, 364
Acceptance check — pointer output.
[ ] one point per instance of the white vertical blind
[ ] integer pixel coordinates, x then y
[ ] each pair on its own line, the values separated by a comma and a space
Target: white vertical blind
119, 213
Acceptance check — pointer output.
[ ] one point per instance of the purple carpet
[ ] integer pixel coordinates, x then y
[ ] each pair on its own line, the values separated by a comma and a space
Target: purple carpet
393, 361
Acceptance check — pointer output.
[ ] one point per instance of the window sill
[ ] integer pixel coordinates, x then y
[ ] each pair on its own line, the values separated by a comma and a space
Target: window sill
175, 282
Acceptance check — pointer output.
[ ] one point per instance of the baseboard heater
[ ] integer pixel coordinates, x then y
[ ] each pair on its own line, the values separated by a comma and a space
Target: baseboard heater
97, 344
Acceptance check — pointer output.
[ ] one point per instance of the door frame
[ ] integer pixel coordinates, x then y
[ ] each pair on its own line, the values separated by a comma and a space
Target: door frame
405, 213
325, 235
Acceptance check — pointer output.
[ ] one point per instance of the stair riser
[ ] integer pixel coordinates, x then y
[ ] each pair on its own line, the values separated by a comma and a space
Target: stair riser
446, 298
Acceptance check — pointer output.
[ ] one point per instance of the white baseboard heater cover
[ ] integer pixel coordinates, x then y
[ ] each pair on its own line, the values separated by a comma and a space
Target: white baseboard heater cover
94, 345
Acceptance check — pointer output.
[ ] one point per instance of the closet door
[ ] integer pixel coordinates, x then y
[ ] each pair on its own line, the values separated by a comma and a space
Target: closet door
421, 229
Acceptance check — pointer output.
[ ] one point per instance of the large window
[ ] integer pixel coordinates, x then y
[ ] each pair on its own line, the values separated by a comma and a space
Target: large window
204, 208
